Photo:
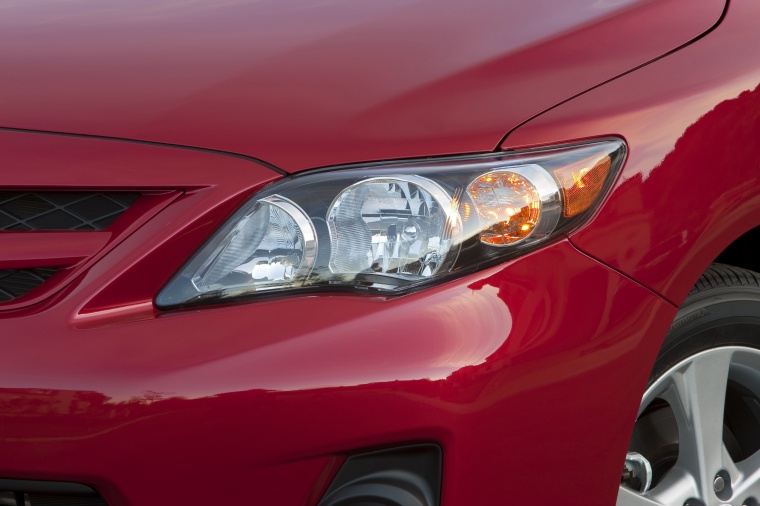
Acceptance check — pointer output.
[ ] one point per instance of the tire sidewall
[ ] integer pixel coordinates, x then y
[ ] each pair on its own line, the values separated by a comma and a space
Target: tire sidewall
710, 319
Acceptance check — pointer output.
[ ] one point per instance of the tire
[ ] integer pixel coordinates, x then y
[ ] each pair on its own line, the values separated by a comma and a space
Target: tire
698, 427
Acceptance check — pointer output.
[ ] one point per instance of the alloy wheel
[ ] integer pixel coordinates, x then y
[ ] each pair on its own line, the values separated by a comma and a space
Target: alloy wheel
699, 429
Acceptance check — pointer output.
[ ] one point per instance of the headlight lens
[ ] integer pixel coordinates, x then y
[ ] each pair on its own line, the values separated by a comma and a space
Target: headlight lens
399, 225
271, 244
392, 227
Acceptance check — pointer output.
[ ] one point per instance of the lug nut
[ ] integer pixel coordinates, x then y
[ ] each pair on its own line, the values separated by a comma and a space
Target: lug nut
718, 483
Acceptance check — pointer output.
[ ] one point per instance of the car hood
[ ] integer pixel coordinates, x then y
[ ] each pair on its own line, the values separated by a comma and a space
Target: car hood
308, 83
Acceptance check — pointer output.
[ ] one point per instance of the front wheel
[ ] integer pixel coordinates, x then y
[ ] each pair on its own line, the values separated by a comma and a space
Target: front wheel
696, 441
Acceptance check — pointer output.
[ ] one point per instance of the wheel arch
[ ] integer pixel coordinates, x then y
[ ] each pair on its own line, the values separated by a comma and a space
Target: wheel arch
743, 251
736, 245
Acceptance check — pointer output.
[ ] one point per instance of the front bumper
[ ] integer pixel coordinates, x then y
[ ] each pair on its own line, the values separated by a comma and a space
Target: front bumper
513, 371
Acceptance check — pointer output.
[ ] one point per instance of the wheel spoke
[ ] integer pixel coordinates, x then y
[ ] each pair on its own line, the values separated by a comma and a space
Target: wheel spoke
675, 488
748, 474
697, 394
730, 466
627, 497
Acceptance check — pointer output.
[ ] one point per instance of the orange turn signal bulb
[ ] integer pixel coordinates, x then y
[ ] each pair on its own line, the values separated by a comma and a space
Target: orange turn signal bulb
508, 207
581, 183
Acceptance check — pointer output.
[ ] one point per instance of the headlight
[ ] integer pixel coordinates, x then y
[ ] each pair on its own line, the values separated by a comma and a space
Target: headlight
392, 227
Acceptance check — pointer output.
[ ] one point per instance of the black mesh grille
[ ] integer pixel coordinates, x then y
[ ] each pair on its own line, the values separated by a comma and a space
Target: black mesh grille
65, 500
16, 499
62, 210
16, 282
47, 493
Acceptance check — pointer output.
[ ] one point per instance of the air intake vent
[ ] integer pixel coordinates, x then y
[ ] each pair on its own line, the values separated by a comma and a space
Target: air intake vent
403, 476
17, 282
47, 493
62, 210
21, 499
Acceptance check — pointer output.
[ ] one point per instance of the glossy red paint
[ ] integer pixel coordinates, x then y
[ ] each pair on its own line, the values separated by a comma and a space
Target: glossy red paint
304, 84
258, 408
689, 187
509, 369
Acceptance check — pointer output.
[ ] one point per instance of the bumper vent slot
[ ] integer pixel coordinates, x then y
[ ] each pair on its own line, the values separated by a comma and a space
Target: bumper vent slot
47, 493
403, 476
21, 499
17, 282
62, 210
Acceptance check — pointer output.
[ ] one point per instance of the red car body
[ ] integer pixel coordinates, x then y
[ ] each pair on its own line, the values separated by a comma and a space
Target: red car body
528, 374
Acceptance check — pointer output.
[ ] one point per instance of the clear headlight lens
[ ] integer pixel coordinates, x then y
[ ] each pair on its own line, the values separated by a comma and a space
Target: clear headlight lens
271, 244
389, 228
399, 225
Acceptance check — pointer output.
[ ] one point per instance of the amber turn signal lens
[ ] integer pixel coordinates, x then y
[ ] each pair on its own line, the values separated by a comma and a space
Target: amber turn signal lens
582, 182
508, 207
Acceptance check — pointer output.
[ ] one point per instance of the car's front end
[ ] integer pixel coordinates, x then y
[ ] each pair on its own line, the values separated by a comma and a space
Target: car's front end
331, 254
